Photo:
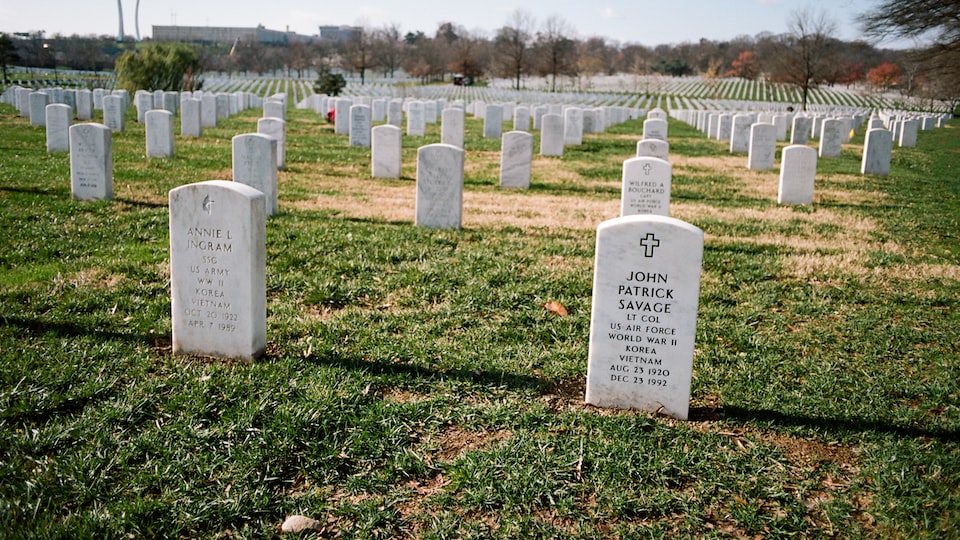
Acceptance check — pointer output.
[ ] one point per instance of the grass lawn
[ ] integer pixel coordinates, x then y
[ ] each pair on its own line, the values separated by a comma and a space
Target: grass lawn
414, 384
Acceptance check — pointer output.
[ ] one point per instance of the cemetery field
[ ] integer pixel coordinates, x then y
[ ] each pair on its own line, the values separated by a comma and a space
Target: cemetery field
430, 383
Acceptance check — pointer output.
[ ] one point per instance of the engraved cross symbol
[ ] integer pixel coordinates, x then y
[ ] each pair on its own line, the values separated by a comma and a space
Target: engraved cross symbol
648, 243
647, 168
207, 205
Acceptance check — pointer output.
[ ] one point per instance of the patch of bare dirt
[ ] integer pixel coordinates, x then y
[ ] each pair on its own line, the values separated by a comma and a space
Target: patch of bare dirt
455, 442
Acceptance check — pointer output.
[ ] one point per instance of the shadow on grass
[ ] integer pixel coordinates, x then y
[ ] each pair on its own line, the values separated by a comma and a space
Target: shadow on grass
849, 425
419, 373
72, 329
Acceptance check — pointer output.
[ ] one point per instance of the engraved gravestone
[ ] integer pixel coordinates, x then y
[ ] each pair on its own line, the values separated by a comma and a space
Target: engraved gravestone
646, 287
439, 202
416, 120
159, 132
451, 127
430, 112
171, 101
218, 269
91, 162
385, 151
84, 104
877, 150
276, 128
763, 147
645, 186
551, 136
274, 108
908, 133
740, 133
802, 126
521, 118
395, 112
38, 108
113, 112
831, 137
378, 110
798, 169
653, 148
59, 116
341, 117
573, 126
222, 104
655, 128
725, 126
190, 120
143, 102
360, 126
493, 122
208, 110
516, 159
255, 164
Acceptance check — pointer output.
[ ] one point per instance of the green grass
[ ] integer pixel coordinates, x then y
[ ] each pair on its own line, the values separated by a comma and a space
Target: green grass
415, 386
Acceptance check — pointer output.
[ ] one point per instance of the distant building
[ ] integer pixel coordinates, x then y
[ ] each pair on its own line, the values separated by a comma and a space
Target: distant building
226, 35
338, 34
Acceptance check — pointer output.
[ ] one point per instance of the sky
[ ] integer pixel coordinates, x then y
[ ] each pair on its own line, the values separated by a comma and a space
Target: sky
647, 22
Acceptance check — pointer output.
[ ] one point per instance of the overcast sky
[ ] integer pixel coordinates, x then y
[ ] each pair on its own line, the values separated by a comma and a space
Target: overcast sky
648, 22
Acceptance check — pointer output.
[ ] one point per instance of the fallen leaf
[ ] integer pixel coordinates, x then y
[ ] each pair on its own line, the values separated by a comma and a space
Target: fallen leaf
556, 307
299, 523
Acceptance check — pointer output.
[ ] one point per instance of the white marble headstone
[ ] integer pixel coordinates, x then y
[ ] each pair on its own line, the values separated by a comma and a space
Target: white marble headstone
386, 151
493, 122
439, 202
59, 116
653, 148
646, 288
208, 111
573, 126
91, 161
276, 128
360, 123
255, 164
416, 119
655, 128
113, 112
740, 133
551, 136
451, 127
159, 131
802, 127
190, 117
84, 104
798, 169
877, 150
646, 186
831, 137
763, 147
38, 108
218, 269
516, 159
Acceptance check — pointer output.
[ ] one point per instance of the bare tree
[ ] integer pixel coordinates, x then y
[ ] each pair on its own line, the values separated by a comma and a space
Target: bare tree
805, 55
388, 48
358, 52
556, 50
512, 45
934, 25
469, 53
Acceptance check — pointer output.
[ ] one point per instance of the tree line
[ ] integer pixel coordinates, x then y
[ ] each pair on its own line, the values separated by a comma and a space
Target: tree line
807, 55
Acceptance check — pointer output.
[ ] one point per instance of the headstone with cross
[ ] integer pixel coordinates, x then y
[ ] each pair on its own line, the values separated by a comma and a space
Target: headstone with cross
646, 287
218, 269
646, 186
